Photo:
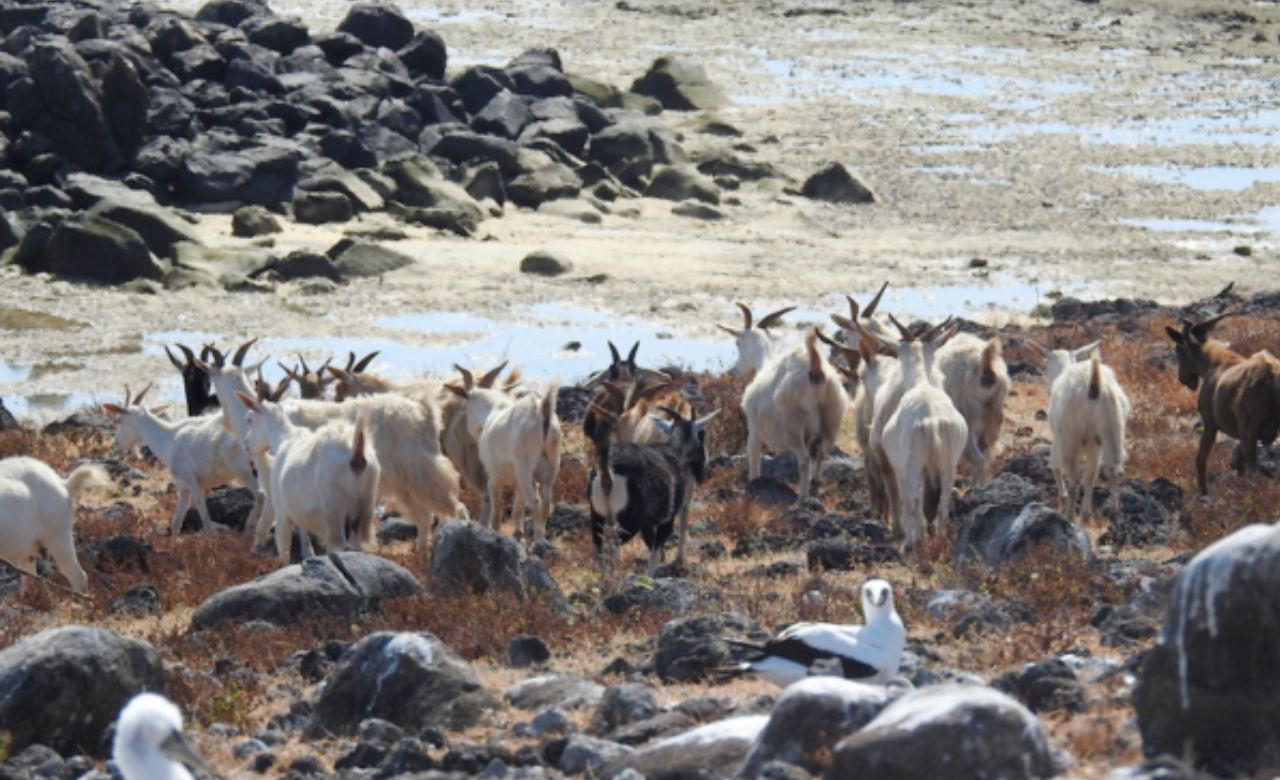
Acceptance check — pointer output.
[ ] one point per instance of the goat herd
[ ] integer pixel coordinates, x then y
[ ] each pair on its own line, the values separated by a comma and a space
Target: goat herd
923, 402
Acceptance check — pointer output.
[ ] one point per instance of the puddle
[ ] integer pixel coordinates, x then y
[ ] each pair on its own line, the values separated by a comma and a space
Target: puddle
1243, 127
24, 319
11, 373
1004, 293
1216, 177
42, 408
1167, 225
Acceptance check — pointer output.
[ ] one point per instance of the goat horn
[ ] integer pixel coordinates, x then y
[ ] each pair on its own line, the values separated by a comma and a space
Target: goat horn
128, 396
631, 356
174, 360
1200, 330
932, 333
238, 359
366, 360
288, 372
843, 349
871, 307
906, 334
1225, 291
219, 359
491, 376
614, 352
746, 315
730, 331
853, 307
303, 362
467, 381
137, 399
773, 318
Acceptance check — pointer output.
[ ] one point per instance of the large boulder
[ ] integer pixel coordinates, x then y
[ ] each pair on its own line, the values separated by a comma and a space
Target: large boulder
566, 691
64, 687
948, 730
410, 679
93, 247
262, 175
1208, 688
425, 55
466, 557
689, 648
997, 535
357, 258
418, 184
156, 225
339, 584
378, 24
835, 184
71, 101
679, 85
672, 182
809, 718
709, 752
319, 207
622, 705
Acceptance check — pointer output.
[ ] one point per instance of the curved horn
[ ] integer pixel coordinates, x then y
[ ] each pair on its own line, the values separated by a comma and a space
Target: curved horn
850, 355
489, 377
238, 359
906, 334
137, 399
290, 373
366, 360
613, 351
746, 315
932, 333
176, 364
219, 359
871, 307
631, 356
729, 330
772, 318
467, 381
303, 363
853, 307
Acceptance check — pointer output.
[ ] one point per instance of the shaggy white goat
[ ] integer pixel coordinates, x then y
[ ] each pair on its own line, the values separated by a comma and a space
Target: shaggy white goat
794, 404
519, 444
923, 441
39, 508
976, 378
755, 344
324, 481
1087, 414
199, 452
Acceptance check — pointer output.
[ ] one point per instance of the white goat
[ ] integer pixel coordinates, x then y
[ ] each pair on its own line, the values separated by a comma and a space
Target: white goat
199, 452
850, 332
795, 404
323, 481
923, 441
39, 509
1087, 414
755, 344
976, 378
519, 444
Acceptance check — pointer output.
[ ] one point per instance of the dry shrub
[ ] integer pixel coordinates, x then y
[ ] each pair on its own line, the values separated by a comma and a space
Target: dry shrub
728, 431
738, 517
472, 625
1234, 501
571, 483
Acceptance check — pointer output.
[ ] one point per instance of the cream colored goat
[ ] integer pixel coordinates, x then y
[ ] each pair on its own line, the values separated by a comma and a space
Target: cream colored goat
795, 404
976, 378
755, 343
39, 510
1088, 411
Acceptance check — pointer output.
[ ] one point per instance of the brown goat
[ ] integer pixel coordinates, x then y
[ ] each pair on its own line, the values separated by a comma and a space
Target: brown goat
1237, 395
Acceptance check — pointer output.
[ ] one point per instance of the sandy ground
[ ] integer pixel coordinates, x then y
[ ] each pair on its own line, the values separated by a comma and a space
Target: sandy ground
1041, 137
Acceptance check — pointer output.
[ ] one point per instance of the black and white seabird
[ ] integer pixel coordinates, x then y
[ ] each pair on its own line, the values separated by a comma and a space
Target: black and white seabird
868, 653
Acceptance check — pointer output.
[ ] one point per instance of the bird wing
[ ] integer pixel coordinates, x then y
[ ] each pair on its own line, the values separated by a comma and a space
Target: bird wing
854, 645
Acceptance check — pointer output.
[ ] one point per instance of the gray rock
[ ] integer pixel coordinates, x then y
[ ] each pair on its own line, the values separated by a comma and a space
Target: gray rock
807, 721
301, 264
679, 85
466, 557
997, 535
378, 24
342, 583
568, 691
356, 258
1207, 687
158, 227
425, 55
317, 208
549, 182
505, 115
708, 752
72, 110
1044, 687
948, 730
262, 175
669, 594
688, 648
362, 196
682, 183
418, 184
410, 679
622, 705
524, 651
64, 687
1162, 768
697, 211
93, 247
552, 720
835, 184
137, 601
228, 506
588, 754
543, 263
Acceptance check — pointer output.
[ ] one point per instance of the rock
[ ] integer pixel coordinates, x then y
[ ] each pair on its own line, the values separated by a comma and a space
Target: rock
478, 84
1162, 768
997, 535
1143, 519
771, 491
72, 104
362, 196
682, 183
1207, 687
708, 752
543, 263
92, 247
807, 721
228, 507
664, 724
588, 754
64, 687
395, 528
124, 103
418, 185
378, 24
137, 601
425, 55
697, 211
622, 705
410, 679
567, 691
317, 208
1069, 309
847, 555
679, 85
275, 33
342, 583
688, 648
231, 12
466, 557
947, 730
262, 175
356, 258
157, 226
547, 183
835, 184
7, 420
623, 142
524, 651
667, 594
505, 115
1044, 687
253, 221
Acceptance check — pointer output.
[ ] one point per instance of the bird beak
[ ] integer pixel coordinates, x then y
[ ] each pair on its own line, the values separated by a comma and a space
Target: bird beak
175, 746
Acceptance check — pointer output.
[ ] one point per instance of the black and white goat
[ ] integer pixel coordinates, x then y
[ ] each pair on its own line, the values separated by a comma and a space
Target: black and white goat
195, 383
641, 488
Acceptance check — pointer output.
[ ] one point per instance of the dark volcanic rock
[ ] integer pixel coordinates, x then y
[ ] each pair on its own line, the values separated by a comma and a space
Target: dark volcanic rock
252, 221
1208, 685
355, 258
948, 731
378, 24
425, 55
137, 601
688, 648
679, 85
64, 687
524, 651
543, 263
410, 679
96, 248
342, 583
317, 208
835, 184
228, 506
468, 558
708, 752
72, 99
622, 705
1044, 687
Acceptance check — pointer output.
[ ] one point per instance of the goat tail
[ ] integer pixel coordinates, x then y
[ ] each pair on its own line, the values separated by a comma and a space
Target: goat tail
548, 406
816, 374
358, 460
1095, 376
932, 494
87, 476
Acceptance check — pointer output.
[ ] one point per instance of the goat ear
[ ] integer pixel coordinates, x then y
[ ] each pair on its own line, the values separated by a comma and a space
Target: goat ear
113, 409
176, 363
664, 425
248, 402
461, 392
730, 331
871, 307
339, 374
847, 324
366, 360
1173, 334
774, 317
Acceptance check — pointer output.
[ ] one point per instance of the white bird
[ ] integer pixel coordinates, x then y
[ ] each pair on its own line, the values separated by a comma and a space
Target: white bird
869, 653
149, 744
